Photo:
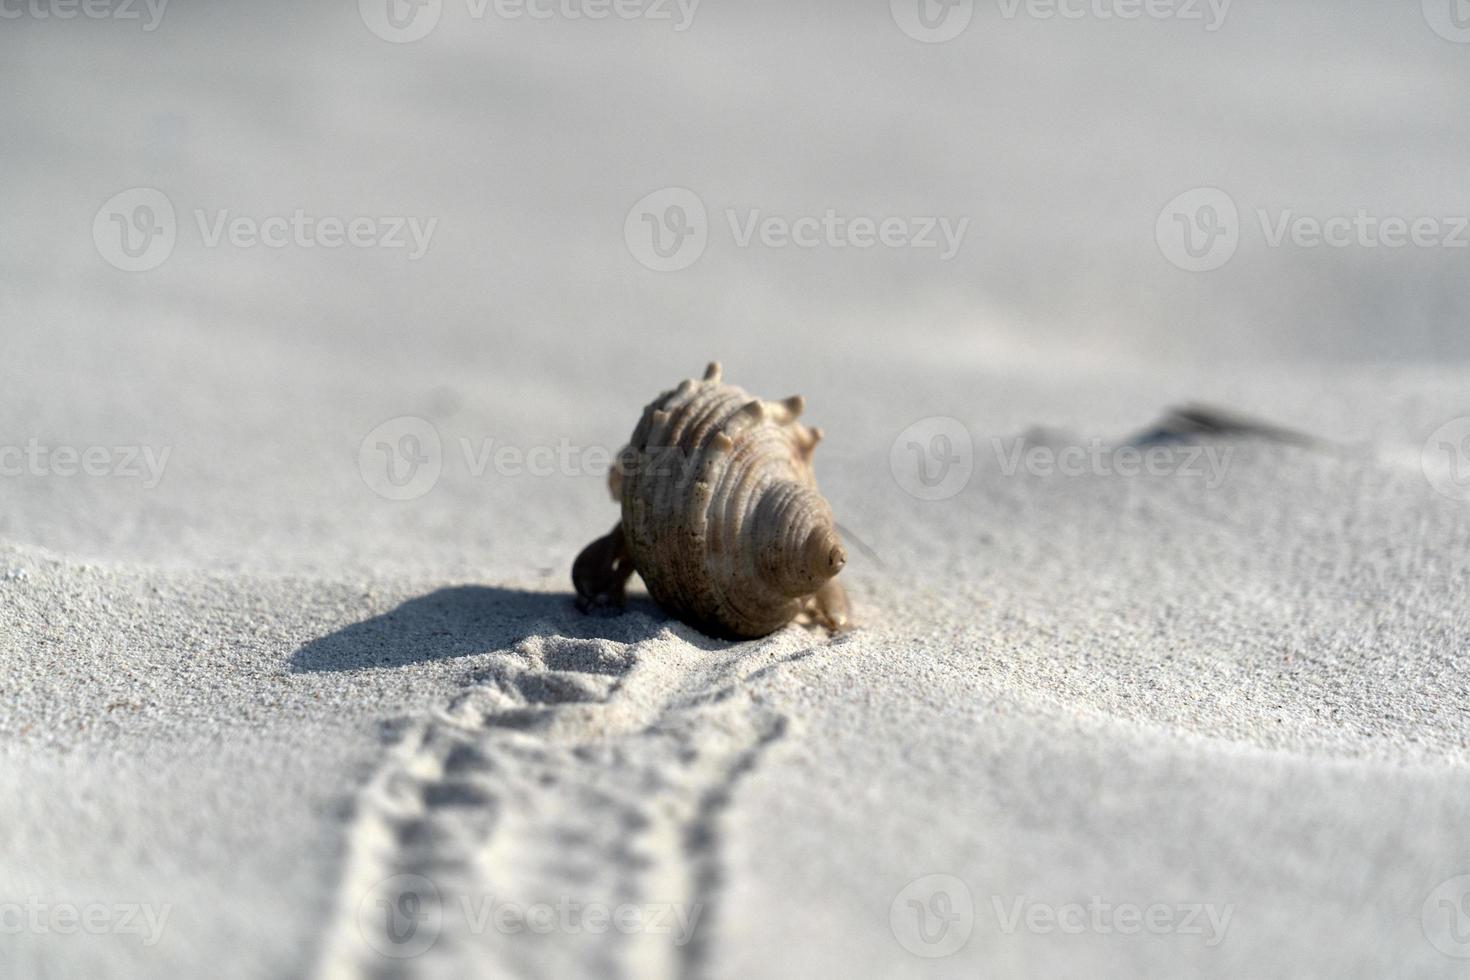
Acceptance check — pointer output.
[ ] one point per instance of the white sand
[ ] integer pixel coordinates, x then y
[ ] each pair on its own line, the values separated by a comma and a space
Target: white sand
241, 700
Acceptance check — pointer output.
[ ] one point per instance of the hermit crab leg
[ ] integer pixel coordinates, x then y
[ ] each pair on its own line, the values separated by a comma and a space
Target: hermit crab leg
601, 572
829, 607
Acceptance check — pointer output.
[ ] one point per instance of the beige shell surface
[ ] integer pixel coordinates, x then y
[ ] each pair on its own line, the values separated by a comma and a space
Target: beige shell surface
721, 513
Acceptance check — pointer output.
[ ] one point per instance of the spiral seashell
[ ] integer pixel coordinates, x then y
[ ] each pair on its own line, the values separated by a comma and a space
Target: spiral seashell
721, 516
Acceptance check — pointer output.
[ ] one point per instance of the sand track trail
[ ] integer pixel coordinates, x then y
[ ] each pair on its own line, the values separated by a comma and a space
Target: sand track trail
569, 774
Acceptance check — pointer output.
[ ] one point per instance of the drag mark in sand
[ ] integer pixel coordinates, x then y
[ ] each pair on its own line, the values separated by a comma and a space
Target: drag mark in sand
561, 816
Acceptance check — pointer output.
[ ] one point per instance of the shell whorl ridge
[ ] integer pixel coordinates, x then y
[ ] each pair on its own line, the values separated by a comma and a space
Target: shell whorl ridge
721, 513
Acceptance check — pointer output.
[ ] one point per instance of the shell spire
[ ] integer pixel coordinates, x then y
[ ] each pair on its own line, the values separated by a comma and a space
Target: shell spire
796, 544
